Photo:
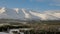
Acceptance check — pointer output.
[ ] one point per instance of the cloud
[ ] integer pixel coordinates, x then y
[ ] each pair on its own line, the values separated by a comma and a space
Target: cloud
37, 0
55, 3
31, 0
51, 2
40, 0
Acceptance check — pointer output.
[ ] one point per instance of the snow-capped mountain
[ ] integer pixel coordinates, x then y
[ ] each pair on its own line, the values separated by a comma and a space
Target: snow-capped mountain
24, 14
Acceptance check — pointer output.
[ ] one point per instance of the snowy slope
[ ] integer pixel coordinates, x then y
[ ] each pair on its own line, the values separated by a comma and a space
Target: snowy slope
24, 14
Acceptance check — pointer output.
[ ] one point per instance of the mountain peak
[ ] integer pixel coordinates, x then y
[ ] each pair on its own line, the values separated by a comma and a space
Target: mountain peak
2, 10
16, 9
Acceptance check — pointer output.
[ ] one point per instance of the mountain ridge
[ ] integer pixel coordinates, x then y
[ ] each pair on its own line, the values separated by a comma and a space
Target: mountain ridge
25, 14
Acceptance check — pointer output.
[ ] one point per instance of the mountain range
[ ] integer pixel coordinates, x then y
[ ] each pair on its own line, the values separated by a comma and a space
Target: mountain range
25, 14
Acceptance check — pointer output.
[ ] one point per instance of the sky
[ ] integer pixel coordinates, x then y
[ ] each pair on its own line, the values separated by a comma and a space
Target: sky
32, 4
